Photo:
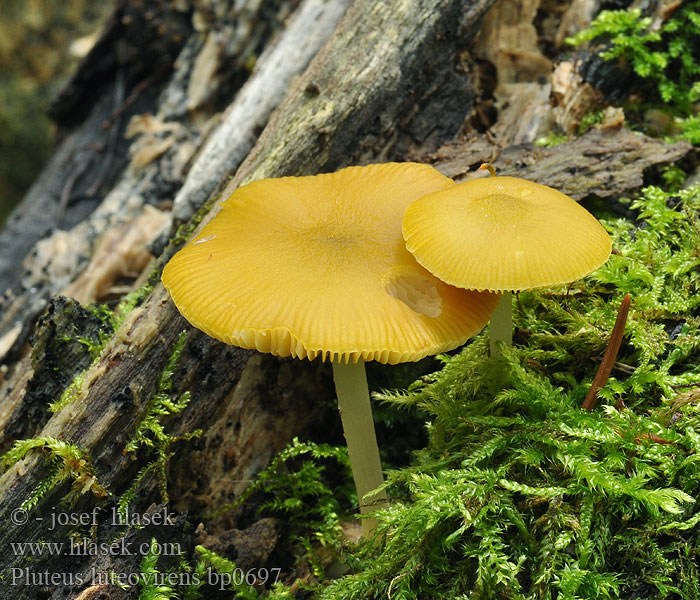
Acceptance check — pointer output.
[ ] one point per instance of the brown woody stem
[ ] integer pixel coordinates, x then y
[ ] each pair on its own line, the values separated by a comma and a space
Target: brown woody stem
608, 361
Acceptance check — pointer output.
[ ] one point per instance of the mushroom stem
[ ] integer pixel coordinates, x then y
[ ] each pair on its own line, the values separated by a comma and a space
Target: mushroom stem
358, 425
501, 326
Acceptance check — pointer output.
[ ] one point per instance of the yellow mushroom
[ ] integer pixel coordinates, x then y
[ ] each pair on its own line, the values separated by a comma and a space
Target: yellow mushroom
317, 267
504, 234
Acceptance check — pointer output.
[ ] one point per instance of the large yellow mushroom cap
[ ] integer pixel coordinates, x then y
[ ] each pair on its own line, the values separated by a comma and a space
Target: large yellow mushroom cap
504, 234
317, 266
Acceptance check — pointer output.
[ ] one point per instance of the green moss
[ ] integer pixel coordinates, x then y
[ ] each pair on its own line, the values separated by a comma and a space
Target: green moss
591, 119
112, 320
225, 567
667, 58
674, 177
552, 138
151, 434
65, 462
152, 586
70, 393
520, 493
298, 488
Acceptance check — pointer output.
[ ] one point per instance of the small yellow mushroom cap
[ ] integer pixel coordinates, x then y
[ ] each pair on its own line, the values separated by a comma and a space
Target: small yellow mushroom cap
317, 266
504, 234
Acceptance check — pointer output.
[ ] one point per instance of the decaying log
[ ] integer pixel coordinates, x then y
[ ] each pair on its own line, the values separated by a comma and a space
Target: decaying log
605, 163
121, 76
287, 57
376, 87
78, 202
394, 90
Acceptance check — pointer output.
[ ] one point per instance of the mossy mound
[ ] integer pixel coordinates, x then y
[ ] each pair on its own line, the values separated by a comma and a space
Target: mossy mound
521, 493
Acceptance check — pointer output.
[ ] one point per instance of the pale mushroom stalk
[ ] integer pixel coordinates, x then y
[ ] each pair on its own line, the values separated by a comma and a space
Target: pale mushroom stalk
358, 426
501, 324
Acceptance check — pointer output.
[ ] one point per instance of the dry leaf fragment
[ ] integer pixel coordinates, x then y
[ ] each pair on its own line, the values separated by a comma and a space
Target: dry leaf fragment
121, 252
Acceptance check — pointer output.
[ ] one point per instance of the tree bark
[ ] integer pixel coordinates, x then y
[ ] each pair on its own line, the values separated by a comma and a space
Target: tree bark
364, 97
602, 163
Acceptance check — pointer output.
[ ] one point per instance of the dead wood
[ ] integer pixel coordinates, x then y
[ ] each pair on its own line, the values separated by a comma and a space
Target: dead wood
139, 131
605, 163
284, 59
374, 88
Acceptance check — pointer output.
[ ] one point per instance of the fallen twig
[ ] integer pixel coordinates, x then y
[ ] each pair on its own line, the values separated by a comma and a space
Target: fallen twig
610, 356
692, 384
